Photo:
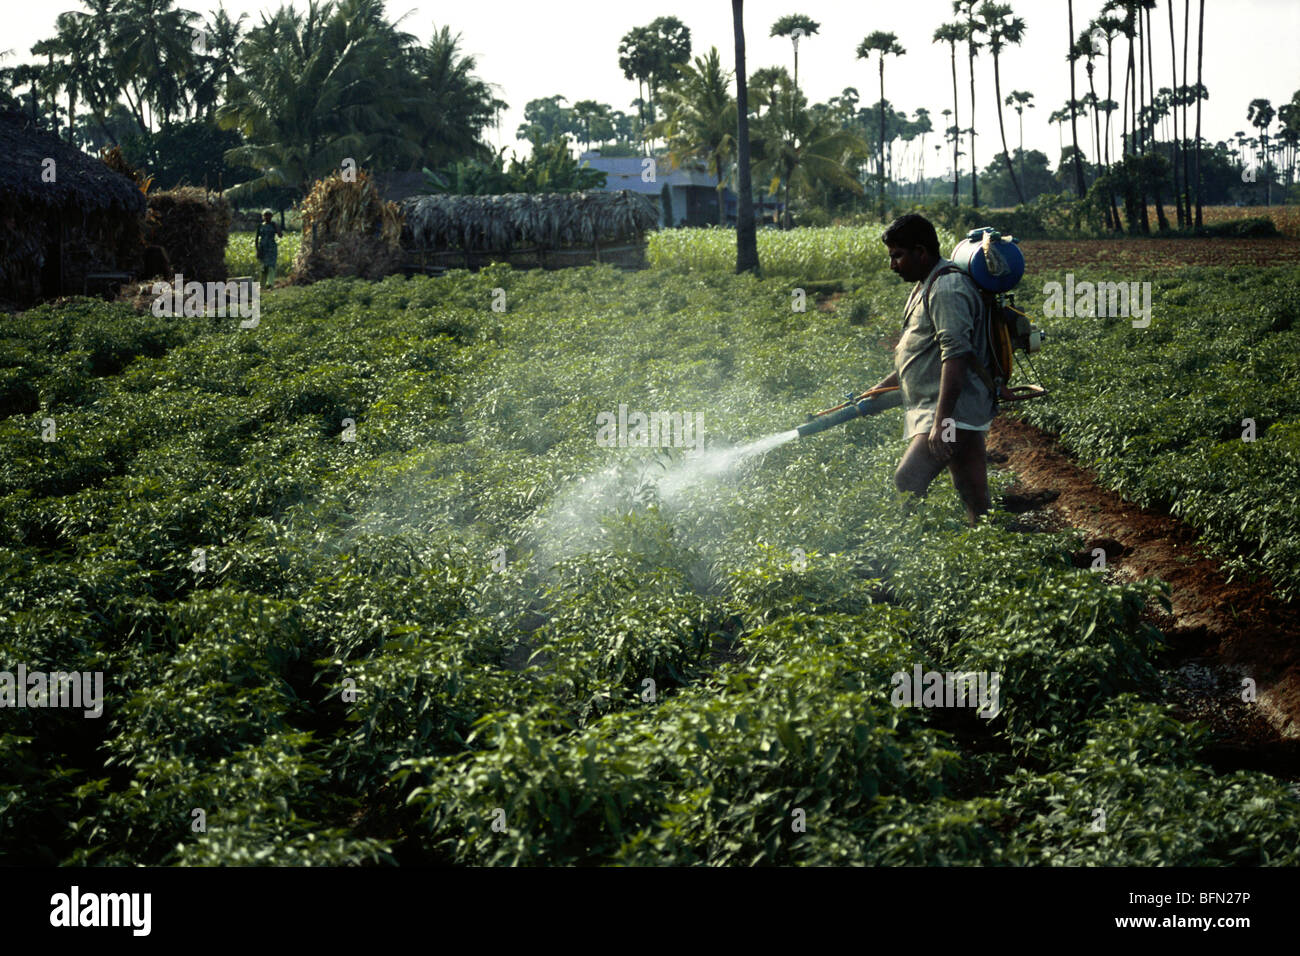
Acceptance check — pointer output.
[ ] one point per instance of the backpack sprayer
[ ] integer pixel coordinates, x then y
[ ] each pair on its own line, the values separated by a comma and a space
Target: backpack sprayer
996, 265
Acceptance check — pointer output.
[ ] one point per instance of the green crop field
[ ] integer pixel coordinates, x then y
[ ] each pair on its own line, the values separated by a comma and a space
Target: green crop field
365, 587
241, 254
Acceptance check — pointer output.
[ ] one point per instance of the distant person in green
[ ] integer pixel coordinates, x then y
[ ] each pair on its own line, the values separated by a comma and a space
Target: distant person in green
264, 243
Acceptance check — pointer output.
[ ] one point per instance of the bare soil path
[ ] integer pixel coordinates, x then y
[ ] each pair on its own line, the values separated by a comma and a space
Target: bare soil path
1230, 629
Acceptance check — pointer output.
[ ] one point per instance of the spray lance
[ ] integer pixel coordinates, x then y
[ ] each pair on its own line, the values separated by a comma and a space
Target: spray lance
870, 402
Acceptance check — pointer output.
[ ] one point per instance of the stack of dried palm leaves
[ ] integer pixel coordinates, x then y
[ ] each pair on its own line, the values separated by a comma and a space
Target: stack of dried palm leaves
513, 220
347, 230
193, 227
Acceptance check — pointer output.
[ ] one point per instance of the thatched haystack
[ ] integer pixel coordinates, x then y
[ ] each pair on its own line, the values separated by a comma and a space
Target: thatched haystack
539, 220
64, 215
347, 230
193, 228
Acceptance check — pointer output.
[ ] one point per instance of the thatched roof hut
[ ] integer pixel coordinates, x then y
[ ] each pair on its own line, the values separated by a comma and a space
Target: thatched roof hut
63, 215
500, 224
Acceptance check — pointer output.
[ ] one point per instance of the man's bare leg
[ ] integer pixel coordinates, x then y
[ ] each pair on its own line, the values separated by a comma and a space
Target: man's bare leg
969, 469
918, 468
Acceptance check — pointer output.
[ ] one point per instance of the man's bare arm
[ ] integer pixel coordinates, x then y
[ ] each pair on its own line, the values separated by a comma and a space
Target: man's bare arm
950, 383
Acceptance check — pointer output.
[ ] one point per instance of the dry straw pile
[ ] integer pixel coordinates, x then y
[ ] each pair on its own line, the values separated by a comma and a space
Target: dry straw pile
347, 230
506, 222
193, 227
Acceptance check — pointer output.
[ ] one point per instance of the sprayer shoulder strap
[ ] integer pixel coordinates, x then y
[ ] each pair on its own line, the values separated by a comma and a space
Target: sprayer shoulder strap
988, 305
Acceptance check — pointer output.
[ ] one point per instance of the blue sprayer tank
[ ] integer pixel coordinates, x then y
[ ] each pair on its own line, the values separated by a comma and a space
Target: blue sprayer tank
997, 270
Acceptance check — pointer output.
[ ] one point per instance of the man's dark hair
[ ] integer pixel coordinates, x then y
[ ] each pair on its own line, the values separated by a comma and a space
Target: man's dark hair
910, 231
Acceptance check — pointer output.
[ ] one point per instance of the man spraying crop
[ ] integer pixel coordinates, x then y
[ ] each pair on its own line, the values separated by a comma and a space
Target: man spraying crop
954, 359
947, 408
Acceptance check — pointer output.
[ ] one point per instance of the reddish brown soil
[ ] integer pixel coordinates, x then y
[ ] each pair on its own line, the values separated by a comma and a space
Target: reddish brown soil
1239, 626
1052, 255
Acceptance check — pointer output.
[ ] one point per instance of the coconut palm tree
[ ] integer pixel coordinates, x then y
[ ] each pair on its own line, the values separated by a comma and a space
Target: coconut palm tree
216, 61
324, 85
453, 105
818, 151
882, 44
152, 46
952, 34
98, 86
746, 229
763, 85
700, 121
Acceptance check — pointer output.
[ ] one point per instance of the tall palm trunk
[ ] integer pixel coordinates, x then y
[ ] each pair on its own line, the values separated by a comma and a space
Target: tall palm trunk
882, 130
1096, 117
974, 180
1021, 149
997, 89
1173, 109
1112, 210
1161, 219
1187, 159
1200, 59
1141, 117
1074, 129
1131, 218
956, 134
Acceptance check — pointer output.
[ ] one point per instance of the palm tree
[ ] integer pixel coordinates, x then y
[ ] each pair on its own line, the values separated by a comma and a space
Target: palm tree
700, 119
971, 29
1002, 28
98, 85
746, 231
327, 84
1059, 117
454, 105
882, 44
951, 34
1260, 114
153, 52
763, 85
216, 62
1089, 47
1021, 99
795, 26
637, 58
818, 151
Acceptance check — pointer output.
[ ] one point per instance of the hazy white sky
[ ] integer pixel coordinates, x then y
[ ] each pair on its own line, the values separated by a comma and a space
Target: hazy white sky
531, 49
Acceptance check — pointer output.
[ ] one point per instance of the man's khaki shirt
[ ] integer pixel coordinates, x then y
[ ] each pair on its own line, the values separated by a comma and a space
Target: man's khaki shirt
945, 327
